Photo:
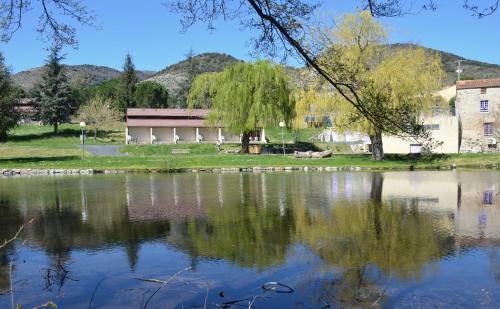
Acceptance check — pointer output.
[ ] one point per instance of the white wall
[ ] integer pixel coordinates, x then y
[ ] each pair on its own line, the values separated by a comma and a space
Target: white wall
164, 135
209, 134
447, 134
140, 135
187, 135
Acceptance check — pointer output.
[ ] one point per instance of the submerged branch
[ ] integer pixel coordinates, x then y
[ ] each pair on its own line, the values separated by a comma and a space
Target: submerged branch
6, 242
163, 283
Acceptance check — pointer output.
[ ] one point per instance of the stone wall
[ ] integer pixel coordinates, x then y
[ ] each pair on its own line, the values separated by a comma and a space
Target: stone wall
472, 120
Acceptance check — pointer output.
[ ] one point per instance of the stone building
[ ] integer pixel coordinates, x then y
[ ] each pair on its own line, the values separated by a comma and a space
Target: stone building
478, 107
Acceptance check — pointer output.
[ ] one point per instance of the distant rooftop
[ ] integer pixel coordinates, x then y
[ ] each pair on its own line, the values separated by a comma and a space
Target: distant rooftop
479, 83
166, 117
167, 112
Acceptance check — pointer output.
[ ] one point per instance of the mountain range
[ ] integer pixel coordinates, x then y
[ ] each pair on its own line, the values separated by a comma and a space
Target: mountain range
176, 77
85, 75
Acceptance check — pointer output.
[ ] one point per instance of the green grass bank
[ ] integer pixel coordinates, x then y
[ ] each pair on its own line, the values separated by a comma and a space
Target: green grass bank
35, 147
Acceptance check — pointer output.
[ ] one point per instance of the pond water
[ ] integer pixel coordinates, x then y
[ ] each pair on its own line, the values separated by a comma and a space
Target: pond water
392, 239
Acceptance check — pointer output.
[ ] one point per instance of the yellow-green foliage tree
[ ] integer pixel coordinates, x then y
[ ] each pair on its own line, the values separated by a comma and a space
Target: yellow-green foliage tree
312, 106
389, 88
98, 113
245, 96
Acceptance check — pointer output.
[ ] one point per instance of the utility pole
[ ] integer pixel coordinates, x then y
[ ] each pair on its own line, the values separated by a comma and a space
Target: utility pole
459, 69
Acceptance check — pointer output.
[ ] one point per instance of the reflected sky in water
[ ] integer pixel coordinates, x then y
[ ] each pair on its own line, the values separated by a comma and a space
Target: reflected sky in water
394, 239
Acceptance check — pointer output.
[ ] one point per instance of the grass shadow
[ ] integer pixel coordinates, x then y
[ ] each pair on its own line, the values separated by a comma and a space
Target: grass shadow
44, 135
25, 160
417, 158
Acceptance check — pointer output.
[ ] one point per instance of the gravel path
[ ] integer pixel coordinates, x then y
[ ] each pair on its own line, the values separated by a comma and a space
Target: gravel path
105, 150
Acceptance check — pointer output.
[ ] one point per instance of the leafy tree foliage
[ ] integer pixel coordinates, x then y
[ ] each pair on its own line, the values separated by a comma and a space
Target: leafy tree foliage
245, 96
97, 113
109, 89
202, 91
9, 116
54, 95
183, 91
151, 95
390, 88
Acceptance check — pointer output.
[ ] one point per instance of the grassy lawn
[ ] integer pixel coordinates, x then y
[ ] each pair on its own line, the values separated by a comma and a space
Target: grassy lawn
32, 146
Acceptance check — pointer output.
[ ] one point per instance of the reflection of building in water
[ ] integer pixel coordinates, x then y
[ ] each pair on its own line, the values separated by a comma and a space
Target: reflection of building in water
479, 214
155, 197
433, 189
472, 197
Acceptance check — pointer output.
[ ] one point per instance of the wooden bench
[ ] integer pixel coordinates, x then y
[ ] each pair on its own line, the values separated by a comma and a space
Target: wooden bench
183, 151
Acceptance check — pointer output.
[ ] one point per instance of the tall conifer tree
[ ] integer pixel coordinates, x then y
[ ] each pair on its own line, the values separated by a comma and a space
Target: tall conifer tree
55, 98
129, 80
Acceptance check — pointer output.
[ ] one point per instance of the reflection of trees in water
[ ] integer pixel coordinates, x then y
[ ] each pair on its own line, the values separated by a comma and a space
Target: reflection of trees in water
250, 219
10, 221
396, 238
253, 232
75, 213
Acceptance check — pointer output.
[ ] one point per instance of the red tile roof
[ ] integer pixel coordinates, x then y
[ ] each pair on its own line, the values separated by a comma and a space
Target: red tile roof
479, 83
167, 112
171, 123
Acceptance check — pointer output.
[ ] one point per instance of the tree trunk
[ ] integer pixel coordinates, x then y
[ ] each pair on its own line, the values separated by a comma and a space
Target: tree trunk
376, 196
377, 146
95, 135
56, 125
3, 136
245, 141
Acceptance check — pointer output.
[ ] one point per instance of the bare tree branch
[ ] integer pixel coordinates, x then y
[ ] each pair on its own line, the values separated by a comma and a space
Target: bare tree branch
54, 21
7, 241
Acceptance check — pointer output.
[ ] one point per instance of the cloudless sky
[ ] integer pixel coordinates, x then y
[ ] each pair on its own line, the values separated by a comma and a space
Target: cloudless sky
152, 35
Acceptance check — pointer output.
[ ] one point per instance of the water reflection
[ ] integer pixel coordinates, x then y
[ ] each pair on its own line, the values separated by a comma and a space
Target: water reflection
365, 235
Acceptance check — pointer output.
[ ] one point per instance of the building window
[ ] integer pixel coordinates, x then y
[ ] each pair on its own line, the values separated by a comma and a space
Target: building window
483, 90
488, 197
484, 106
488, 129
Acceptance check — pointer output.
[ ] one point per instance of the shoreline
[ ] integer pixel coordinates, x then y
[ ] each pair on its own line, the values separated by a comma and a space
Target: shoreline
13, 172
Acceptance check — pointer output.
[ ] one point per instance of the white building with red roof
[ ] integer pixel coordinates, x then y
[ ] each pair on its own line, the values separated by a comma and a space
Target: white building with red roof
169, 126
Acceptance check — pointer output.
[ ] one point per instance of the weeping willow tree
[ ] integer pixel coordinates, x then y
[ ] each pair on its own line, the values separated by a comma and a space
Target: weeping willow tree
243, 97
393, 86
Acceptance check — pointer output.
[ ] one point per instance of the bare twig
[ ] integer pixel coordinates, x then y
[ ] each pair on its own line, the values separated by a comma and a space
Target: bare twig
95, 291
152, 280
163, 284
250, 303
11, 286
206, 298
16, 235
48, 304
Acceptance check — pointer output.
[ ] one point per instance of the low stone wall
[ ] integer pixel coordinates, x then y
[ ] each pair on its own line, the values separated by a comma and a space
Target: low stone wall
256, 169
18, 172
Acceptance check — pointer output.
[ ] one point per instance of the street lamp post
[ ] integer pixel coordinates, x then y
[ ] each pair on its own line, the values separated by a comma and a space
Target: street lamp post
282, 126
82, 138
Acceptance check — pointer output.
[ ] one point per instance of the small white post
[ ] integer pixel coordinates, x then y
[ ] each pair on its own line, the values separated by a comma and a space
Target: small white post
197, 135
175, 134
219, 133
151, 135
263, 135
126, 135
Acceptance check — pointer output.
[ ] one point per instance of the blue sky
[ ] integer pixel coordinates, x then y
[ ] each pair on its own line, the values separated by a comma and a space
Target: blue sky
153, 35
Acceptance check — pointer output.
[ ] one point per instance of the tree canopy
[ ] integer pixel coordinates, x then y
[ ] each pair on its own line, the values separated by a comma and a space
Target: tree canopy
245, 96
97, 113
151, 94
9, 116
391, 88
